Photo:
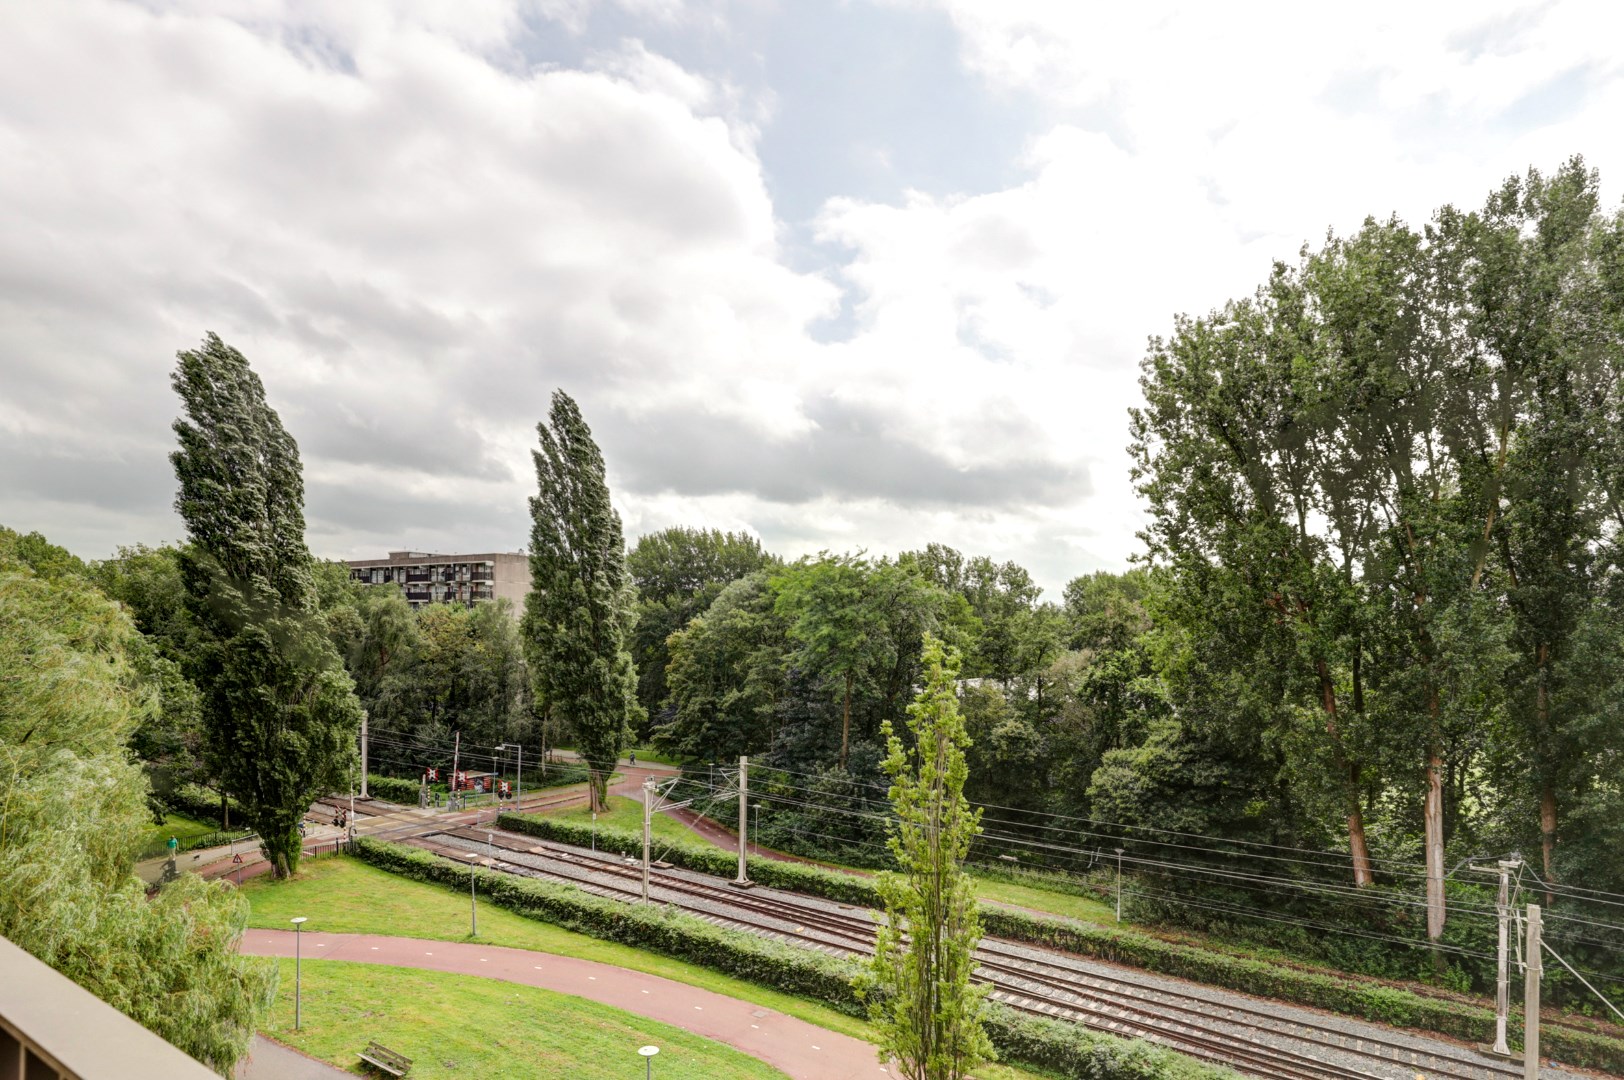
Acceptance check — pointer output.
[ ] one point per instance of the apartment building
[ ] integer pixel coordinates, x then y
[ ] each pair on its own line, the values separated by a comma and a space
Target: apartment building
427, 578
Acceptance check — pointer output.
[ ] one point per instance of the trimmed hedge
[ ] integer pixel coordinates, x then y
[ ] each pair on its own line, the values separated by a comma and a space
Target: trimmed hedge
795, 877
1365, 1000
405, 792
1068, 1049
1077, 1053
196, 801
802, 972
393, 789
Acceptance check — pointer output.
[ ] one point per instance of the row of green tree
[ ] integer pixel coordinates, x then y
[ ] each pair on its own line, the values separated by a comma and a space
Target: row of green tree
1381, 612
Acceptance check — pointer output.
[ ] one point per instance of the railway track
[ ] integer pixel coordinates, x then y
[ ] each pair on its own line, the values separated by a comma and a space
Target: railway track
1053, 985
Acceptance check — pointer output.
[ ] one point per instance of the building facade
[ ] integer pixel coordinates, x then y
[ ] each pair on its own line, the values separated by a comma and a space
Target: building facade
426, 578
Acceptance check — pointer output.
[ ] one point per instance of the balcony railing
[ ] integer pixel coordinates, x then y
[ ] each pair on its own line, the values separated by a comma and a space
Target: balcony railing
53, 1029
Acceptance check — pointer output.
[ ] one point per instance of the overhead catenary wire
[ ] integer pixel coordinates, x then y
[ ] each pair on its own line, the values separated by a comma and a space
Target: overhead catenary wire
1339, 858
1348, 890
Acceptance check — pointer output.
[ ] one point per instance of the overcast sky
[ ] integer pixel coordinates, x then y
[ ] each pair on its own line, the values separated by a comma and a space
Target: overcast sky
843, 275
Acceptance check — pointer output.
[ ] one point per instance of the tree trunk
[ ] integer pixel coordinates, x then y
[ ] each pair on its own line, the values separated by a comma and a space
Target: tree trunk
845, 722
225, 811
1547, 794
1434, 813
1357, 847
1547, 835
282, 849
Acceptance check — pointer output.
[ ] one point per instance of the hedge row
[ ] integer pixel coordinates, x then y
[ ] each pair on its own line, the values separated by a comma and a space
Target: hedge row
405, 792
1070, 1050
761, 960
393, 789
705, 859
196, 801
1368, 1001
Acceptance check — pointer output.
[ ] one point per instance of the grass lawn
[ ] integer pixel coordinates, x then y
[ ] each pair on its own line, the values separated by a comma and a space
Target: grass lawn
343, 895
1084, 908
627, 813
648, 753
465, 1025
156, 839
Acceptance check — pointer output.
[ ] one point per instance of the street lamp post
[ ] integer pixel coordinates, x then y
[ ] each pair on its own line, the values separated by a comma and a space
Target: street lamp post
473, 907
298, 926
648, 1053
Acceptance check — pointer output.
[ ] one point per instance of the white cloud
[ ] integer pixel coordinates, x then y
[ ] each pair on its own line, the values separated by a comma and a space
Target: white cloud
416, 234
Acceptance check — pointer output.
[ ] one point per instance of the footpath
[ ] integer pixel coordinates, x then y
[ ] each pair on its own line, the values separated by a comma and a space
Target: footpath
802, 1050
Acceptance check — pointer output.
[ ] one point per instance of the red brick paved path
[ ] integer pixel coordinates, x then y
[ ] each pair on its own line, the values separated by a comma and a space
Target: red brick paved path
803, 1050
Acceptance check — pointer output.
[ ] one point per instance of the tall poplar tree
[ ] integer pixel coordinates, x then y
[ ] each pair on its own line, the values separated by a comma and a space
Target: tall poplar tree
280, 715
928, 1014
579, 612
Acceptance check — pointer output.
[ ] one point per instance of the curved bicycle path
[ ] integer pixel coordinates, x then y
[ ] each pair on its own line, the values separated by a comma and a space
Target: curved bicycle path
803, 1051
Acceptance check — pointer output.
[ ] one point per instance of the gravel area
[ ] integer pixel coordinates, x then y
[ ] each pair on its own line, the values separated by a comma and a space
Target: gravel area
1124, 1000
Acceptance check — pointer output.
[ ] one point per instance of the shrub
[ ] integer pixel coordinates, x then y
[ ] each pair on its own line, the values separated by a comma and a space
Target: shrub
196, 801
795, 877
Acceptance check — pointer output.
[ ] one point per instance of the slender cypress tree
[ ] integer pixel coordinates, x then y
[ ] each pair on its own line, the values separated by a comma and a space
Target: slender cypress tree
927, 1013
280, 717
579, 612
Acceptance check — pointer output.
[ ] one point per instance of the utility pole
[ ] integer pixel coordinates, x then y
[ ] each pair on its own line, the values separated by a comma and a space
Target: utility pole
1502, 982
364, 754
1532, 968
648, 825
456, 750
1119, 884
473, 907
743, 880
651, 793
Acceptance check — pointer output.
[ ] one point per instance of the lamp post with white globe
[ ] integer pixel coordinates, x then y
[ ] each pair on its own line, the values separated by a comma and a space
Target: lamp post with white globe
648, 1053
298, 926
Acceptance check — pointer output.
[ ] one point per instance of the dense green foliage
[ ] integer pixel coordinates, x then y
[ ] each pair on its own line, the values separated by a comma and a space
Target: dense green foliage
927, 1013
279, 715
678, 573
72, 697
579, 611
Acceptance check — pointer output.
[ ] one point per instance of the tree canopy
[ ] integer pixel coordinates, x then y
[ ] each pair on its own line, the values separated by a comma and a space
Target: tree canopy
579, 611
280, 717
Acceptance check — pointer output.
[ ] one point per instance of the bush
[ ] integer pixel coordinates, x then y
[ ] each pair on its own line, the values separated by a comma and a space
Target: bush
196, 801
393, 789
1072, 1051
1077, 1053
705, 859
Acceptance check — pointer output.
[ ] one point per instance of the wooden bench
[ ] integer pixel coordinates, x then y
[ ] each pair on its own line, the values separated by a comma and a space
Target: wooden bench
386, 1059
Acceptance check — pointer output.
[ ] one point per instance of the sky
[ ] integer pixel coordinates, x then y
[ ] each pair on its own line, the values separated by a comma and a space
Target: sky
859, 275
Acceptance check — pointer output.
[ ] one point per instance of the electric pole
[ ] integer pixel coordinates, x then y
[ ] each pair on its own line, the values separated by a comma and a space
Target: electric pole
743, 880
1532, 968
648, 825
1119, 885
364, 754
456, 750
1502, 983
